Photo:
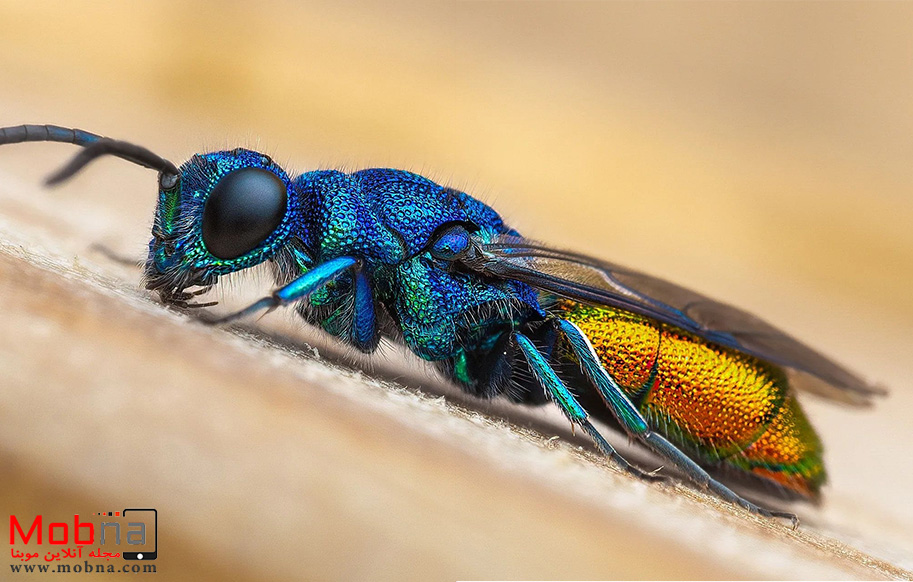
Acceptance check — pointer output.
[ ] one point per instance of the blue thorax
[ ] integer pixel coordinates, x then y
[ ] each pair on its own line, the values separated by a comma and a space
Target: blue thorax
387, 219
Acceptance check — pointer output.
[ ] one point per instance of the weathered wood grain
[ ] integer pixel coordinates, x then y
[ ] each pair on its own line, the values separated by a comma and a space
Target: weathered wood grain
759, 154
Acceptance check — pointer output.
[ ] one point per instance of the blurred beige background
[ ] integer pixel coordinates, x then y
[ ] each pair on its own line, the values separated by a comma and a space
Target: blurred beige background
757, 152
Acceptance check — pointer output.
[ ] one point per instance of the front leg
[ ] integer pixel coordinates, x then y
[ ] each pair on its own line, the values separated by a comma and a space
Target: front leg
365, 319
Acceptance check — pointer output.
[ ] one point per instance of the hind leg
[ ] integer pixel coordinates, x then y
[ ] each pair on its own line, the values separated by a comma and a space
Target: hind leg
635, 424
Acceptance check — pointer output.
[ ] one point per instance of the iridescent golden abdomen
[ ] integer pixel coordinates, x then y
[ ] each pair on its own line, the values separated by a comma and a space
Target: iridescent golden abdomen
714, 402
720, 399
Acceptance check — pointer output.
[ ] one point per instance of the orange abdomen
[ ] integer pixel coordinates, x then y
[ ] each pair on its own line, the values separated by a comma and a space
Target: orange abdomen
716, 404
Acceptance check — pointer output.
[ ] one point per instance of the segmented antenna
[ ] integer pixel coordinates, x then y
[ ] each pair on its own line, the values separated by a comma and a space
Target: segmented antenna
22, 133
95, 146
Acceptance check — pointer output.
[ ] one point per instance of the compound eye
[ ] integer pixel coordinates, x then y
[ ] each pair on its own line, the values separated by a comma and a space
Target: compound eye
450, 243
244, 208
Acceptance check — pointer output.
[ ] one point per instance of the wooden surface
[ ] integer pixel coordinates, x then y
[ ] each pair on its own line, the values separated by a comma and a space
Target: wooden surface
759, 153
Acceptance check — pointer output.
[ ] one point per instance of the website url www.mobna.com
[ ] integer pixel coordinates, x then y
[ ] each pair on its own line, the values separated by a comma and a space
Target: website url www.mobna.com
83, 568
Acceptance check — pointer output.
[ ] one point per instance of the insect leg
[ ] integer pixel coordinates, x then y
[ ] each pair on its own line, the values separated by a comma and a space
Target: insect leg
569, 405
635, 424
298, 289
116, 257
364, 325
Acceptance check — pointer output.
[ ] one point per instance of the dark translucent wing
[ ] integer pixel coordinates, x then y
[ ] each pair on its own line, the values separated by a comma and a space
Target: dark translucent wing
591, 280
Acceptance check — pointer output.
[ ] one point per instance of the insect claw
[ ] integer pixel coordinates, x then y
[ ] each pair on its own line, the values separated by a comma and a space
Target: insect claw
269, 303
199, 305
792, 517
652, 477
269, 310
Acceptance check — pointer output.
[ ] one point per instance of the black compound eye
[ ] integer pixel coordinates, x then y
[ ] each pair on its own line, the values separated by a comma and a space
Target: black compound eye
244, 208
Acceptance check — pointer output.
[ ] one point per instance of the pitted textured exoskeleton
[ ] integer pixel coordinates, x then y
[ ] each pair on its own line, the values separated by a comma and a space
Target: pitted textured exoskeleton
388, 253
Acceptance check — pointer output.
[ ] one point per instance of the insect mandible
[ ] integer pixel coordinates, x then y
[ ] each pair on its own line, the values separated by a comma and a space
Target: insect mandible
388, 253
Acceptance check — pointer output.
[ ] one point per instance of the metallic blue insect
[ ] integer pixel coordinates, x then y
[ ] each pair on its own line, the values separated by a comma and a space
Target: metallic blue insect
386, 252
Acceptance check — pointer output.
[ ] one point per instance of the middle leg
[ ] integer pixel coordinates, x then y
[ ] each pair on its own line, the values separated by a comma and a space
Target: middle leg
568, 404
